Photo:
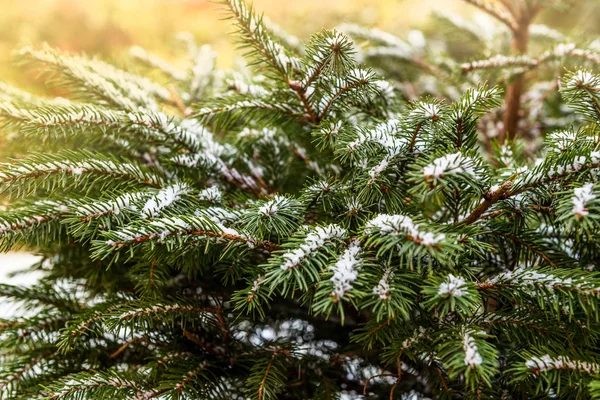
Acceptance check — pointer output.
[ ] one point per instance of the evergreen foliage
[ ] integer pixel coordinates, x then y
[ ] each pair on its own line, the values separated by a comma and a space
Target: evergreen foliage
304, 228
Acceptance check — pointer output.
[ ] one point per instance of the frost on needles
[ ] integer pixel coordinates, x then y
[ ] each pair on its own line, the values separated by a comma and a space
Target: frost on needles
342, 218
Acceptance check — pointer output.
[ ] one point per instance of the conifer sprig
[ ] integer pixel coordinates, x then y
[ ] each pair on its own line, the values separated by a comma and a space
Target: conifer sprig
305, 228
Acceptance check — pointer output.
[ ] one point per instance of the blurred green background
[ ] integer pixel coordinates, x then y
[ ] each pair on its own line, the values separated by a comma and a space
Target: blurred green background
109, 27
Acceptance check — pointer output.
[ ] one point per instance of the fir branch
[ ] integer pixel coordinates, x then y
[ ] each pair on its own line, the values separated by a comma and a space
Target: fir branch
547, 363
255, 35
308, 204
354, 82
266, 378
112, 384
51, 170
96, 80
179, 226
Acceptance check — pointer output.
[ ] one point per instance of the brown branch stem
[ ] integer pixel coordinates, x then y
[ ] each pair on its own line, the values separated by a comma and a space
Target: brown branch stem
488, 200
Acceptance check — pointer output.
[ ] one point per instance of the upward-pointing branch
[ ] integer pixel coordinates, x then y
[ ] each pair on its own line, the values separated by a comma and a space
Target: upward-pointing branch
501, 15
518, 18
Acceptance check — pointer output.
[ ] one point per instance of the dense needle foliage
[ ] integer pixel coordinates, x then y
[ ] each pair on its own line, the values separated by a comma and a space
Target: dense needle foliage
355, 217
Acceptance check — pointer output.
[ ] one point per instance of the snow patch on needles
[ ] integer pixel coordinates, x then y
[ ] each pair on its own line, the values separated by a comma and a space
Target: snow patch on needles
377, 170
345, 270
530, 277
548, 363
472, 356
382, 290
53, 210
582, 78
164, 199
213, 194
313, 241
255, 287
401, 224
157, 309
219, 215
431, 110
383, 134
415, 338
454, 164
453, 286
207, 223
121, 203
273, 205
581, 197
540, 173
562, 140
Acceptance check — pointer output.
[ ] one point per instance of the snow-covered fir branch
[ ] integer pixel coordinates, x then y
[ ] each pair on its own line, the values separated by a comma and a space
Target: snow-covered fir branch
164, 198
316, 238
35, 214
571, 50
450, 164
160, 309
581, 197
272, 206
561, 141
384, 133
383, 289
346, 269
543, 173
473, 358
274, 53
532, 278
582, 78
240, 84
500, 61
115, 86
418, 334
256, 285
102, 167
453, 286
549, 363
124, 202
235, 232
166, 227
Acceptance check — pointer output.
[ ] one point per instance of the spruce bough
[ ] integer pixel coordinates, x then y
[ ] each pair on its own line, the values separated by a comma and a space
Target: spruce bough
297, 232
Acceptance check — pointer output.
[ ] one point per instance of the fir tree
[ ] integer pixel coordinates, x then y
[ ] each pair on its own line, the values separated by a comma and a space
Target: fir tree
297, 230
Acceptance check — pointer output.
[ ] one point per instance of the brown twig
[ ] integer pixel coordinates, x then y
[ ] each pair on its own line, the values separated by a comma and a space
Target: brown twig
176, 99
340, 92
261, 388
518, 18
126, 345
512, 98
413, 139
374, 377
439, 372
488, 200
399, 374
300, 90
